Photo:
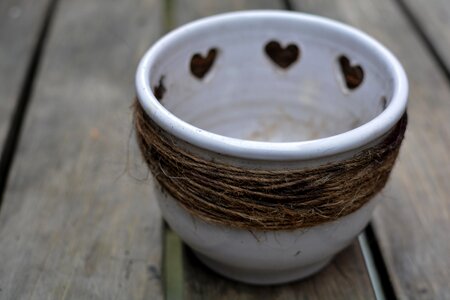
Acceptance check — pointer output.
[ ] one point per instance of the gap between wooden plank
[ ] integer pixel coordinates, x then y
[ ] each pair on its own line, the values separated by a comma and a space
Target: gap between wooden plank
168, 15
288, 5
375, 264
172, 265
8, 151
416, 25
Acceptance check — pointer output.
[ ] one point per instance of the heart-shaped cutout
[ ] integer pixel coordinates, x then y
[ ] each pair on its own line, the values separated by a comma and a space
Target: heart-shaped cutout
283, 57
159, 90
200, 65
384, 102
353, 75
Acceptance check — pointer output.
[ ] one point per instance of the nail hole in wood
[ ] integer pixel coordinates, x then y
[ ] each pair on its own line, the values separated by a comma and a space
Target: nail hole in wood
282, 57
200, 65
353, 74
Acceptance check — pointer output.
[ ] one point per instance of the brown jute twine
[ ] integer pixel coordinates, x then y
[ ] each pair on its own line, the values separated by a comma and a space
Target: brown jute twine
257, 199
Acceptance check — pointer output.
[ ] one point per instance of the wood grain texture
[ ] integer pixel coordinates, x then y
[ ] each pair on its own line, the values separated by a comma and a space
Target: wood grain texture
345, 278
413, 221
20, 23
183, 11
74, 224
433, 16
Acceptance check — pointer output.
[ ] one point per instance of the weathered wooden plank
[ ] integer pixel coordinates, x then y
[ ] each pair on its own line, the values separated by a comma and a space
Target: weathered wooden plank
345, 278
184, 11
74, 224
433, 17
413, 222
20, 23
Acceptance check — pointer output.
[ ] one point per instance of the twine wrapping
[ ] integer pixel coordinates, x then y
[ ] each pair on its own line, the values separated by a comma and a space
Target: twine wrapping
265, 200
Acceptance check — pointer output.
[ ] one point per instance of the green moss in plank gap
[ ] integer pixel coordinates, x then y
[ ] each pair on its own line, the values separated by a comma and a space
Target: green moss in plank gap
173, 265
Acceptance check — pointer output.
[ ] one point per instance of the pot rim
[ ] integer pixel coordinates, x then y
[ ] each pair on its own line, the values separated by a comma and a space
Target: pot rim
276, 151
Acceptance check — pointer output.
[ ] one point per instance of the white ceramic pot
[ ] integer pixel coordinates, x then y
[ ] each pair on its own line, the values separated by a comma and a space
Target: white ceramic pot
268, 90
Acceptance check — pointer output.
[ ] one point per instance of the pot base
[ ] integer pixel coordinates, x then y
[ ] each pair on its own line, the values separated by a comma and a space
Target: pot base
263, 277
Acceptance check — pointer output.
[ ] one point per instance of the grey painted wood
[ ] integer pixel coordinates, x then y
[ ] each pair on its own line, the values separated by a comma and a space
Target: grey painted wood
345, 278
184, 11
433, 16
20, 22
412, 223
74, 223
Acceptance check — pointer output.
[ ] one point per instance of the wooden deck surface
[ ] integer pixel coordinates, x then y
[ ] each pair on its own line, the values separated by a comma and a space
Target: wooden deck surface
412, 222
78, 219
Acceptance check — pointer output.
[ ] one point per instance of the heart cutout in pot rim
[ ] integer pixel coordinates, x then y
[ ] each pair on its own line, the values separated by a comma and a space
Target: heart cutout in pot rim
200, 65
159, 90
353, 74
282, 57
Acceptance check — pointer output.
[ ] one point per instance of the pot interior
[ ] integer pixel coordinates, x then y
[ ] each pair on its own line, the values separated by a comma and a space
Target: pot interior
272, 81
